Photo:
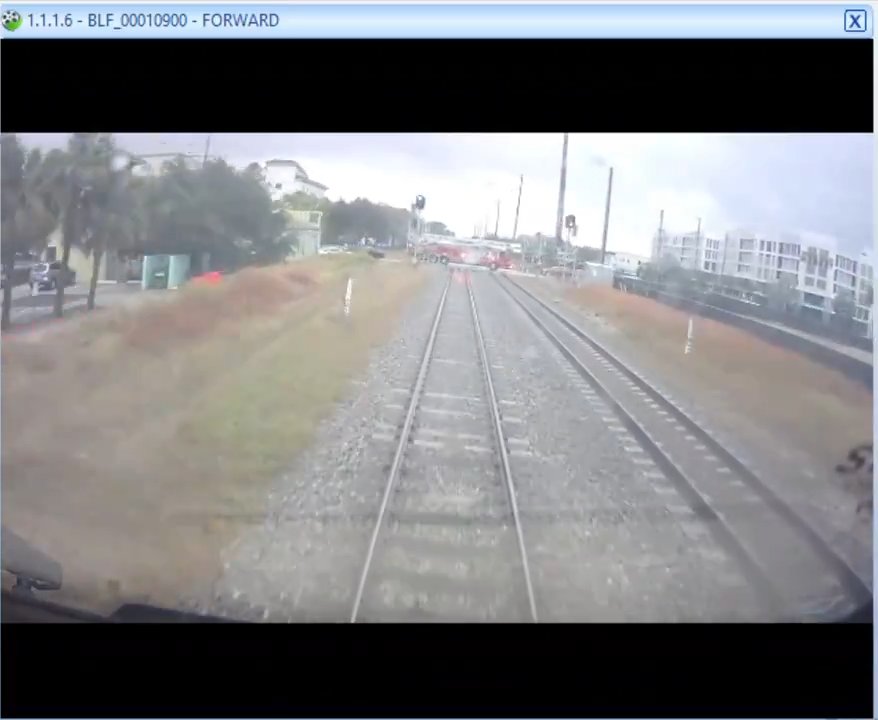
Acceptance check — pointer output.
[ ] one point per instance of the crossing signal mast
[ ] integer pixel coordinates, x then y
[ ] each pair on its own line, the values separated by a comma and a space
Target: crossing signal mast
570, 226
416, 226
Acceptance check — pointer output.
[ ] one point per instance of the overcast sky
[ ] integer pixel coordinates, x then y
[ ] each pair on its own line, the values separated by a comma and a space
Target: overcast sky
820, 184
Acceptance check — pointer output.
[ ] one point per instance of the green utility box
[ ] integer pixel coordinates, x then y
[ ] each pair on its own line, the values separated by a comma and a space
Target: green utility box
155, 272
161, 272
178, 270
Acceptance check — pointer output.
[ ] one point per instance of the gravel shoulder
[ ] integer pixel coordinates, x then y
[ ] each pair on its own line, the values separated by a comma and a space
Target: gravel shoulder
609, 537
303, 561
790, 420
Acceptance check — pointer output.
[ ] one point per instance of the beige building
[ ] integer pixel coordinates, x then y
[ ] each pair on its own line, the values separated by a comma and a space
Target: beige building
307, 226
114, 267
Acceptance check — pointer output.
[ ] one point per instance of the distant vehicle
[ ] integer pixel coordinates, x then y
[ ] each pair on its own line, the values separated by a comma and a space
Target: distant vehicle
494, 260
47, 276
209, 278
331, 250
437, 252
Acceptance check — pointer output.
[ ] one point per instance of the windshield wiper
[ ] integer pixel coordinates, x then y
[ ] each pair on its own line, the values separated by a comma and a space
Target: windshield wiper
33, 569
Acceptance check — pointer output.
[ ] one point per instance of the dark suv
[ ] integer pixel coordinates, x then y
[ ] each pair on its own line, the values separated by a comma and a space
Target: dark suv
46, 276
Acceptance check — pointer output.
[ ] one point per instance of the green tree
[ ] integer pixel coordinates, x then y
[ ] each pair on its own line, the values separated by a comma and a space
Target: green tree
781, 295
72, 178
649, 272
588, 254
434, 227
116, 219
668, 265
27, 212
303, 201
255, 171
844, 308
214, 209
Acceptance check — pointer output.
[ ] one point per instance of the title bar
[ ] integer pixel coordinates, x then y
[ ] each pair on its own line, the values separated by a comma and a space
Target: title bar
330, 20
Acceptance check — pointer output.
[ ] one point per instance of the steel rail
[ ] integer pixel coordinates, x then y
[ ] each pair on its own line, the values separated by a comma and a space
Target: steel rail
393, 473
756, 575
857, 589
500, 439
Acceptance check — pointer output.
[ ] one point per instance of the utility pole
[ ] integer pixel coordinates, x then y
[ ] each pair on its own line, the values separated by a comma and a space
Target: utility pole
658, 243
206, 151
497, 222
698, 264
722, 264
606, 217
517, 208
559, 221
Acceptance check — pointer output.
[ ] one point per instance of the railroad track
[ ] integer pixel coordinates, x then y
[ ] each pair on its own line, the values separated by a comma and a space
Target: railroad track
794, 571
447, 543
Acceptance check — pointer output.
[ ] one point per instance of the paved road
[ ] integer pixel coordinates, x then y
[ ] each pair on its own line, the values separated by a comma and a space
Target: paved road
28, 308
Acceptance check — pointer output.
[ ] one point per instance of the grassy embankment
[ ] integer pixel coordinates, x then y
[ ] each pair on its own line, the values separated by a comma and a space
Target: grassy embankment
771, 396
138, 442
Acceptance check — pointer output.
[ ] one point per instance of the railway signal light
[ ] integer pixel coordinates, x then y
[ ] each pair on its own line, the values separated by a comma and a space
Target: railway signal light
420, 202
570, 222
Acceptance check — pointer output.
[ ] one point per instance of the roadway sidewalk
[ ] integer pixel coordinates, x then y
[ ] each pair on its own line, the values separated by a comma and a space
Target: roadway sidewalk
34, 310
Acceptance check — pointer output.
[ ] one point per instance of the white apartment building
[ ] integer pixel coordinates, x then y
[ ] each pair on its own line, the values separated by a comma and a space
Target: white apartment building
285, 177
685, 249
810, 264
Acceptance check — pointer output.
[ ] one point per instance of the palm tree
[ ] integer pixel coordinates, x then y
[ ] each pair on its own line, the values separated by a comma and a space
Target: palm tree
115, 220
72, 178
27, 214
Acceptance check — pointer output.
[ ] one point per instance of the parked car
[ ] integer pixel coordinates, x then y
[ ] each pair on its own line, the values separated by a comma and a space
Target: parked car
46, 276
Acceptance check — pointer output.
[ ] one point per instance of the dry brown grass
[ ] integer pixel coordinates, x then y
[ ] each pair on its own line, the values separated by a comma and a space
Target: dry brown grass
200, 309
134, 463
774, 392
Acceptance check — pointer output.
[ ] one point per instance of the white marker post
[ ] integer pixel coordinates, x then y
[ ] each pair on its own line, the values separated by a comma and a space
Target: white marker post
347, 298
690, 336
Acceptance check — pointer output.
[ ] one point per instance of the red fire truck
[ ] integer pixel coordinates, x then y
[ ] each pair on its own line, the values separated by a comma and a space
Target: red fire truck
463, 253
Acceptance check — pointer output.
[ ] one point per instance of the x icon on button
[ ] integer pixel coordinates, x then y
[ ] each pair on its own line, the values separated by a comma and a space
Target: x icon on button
855, 21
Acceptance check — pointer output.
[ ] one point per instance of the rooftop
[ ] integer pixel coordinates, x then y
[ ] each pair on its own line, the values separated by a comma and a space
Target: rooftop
285, 163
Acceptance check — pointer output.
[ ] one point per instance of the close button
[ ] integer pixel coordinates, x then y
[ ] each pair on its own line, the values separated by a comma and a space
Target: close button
855, 21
